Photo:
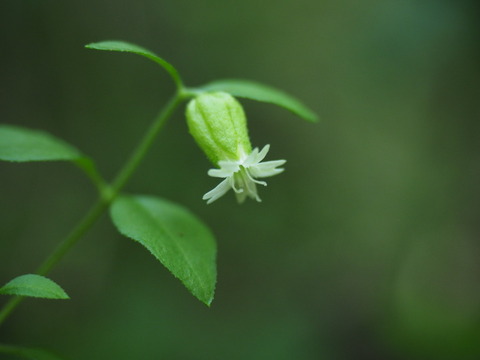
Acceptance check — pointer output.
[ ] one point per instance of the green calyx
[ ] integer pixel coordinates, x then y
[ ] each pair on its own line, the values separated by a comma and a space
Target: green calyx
218, 124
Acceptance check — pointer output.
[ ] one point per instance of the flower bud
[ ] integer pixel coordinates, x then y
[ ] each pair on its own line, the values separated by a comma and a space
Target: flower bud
217, 123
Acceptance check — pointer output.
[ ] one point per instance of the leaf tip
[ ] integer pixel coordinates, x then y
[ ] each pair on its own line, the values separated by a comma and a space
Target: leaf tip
64, 296
95, 45
313, 117
208, 301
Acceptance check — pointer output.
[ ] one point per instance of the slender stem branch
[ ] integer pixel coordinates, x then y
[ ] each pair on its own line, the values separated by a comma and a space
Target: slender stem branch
9, 307
106, 198
141, 150
82, 227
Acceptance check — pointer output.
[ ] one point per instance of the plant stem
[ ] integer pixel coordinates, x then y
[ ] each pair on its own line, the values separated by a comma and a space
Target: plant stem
106, 198
147, 141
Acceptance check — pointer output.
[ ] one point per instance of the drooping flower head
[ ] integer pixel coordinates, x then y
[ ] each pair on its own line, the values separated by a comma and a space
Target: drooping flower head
218, 124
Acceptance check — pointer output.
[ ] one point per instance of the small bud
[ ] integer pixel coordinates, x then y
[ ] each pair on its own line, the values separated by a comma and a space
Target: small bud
218, 124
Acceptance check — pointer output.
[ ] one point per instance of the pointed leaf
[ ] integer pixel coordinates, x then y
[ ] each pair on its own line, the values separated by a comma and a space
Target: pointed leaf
180, 241
256, 91
122, 46
29, 353
34, 286
20, 144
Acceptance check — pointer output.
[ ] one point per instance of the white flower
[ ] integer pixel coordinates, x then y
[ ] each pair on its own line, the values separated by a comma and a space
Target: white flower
241, 174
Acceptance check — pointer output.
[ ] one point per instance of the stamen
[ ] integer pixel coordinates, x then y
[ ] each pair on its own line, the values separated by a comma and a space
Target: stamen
255, 181
250, 185
232, 184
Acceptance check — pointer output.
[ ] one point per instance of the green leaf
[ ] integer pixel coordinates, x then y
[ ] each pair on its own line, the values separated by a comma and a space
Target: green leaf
255, 91
122, 46
20, 144
29, 353
34, 286
180, 241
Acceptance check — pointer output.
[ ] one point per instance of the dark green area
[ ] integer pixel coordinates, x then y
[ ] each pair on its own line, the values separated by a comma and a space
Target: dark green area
365, 248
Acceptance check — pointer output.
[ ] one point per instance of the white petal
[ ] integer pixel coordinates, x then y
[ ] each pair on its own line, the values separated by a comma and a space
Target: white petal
272, 163
228, 165
251, 158
263, 153
269, 173
242, 175
266, 169
217, 192
255, 157
220, 173
227, 168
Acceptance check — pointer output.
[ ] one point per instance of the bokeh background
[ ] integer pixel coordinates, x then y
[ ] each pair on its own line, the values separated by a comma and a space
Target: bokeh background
367, 247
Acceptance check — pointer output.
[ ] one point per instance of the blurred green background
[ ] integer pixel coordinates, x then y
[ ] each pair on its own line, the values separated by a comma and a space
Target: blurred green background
367, 247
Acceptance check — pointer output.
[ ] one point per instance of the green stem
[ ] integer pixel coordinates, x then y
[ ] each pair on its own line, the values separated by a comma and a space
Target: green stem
106, 198
145, 144
9, 307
